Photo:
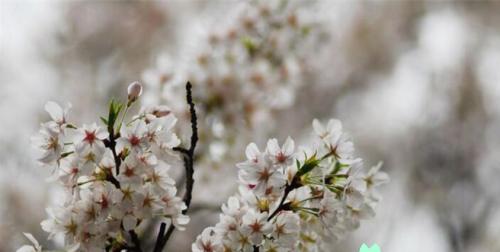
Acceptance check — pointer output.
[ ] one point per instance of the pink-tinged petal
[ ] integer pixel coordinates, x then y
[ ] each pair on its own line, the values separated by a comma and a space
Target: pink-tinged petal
134, 90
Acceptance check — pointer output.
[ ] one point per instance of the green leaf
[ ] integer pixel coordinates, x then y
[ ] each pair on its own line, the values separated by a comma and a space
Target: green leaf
104, 120
309, 165
114, 111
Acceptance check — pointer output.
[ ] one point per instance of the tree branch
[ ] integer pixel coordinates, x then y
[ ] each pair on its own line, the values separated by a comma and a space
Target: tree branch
135, 239
188, 157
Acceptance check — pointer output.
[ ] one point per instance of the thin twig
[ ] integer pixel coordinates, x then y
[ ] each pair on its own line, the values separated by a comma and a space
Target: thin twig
160, 237
281, 206
188, 157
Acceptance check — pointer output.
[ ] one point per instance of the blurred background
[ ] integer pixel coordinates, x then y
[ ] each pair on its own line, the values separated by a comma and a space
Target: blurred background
415, 84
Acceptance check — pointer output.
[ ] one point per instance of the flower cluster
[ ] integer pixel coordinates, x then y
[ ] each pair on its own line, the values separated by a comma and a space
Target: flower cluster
288, 200
246, 71
115, 176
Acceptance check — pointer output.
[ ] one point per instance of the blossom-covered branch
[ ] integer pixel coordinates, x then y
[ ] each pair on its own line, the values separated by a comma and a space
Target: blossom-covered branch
115, 176
289, 200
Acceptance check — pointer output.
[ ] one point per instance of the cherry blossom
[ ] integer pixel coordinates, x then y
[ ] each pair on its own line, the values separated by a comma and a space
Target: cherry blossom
290, 201
112, 181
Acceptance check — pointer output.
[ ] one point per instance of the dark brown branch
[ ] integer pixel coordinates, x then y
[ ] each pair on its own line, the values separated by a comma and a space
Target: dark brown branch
159, 238
135, 239
282, 206
188, 157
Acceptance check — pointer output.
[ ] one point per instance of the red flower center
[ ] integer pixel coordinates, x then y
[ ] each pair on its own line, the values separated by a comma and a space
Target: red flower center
255, 227
281, 157
104, 202
90, 137
134, 140
129, 172
74, 170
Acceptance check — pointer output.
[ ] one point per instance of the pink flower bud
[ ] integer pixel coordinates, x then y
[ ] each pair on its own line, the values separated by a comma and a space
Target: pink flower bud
134, 90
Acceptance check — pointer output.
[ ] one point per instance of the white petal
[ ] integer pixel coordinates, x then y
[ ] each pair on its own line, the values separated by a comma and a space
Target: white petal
252, 151
73, 248
26, 248
273, 147
288, 146
334, 125
102, 134
318, 128
55, 111
32, 239
129, 222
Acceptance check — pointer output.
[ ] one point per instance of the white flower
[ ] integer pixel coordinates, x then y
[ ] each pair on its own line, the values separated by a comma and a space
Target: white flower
261, 176
337, 142
124, 208
228, 225
146, 203
332, 130
107, 163
48, 142
132, 138
57, 113
281, 156
252, 152
159, 179
173, 207
330, 210
256, 225
70, 170
103, 196
240, 241
89, 143
61, 220
272, 246
298, 197
90, 136
207, 242
286, 229
233, 208
130, 172
374, 177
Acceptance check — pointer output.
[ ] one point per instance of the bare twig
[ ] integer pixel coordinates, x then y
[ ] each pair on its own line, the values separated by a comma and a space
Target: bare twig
135, 239
188, 157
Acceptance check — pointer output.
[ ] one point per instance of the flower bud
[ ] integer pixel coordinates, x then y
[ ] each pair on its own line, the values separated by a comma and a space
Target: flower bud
134, 91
